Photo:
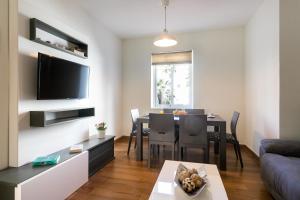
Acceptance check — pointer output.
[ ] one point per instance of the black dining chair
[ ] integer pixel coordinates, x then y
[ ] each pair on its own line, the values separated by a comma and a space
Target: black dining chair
162, 132
231, 137
195, 111
134, 116
193, 134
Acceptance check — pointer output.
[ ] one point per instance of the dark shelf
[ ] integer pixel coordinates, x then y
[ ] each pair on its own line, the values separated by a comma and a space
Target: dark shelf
37, 24
54, 117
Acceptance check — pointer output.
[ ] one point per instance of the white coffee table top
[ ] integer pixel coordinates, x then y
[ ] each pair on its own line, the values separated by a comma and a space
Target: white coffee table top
166, 189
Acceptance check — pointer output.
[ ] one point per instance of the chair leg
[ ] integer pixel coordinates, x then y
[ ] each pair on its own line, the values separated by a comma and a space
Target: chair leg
216, 147
149, 156
206, 155
152, 150
173, 152
135, 143
178, 151
129, 144
235, 150
240, 154
185, 150
208, 149
181, 152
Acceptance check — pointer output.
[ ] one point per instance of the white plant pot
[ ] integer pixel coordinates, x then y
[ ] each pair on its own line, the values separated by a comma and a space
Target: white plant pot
101, 133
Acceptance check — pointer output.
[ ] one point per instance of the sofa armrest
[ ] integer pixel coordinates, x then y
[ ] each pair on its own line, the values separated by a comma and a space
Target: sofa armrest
282, 147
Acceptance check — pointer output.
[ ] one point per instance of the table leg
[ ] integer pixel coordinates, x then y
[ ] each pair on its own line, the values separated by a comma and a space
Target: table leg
223, 146
139, 138
216, 147
216, 142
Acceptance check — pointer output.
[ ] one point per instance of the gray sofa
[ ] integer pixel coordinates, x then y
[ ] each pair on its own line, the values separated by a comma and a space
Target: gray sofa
280, 168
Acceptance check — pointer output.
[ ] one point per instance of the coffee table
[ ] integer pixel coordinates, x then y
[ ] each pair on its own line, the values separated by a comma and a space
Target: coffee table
166, 189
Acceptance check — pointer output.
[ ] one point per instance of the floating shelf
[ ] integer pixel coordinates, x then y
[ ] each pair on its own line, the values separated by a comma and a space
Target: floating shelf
37, 26
53, 117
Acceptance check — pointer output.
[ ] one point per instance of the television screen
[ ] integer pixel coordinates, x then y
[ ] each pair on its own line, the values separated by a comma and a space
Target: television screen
61, 79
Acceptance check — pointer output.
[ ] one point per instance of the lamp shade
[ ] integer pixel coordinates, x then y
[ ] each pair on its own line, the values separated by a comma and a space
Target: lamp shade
165, 40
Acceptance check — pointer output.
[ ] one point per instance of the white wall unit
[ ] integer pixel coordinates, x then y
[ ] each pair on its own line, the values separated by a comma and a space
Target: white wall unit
262, 75
218, 58
105, 79
56, 183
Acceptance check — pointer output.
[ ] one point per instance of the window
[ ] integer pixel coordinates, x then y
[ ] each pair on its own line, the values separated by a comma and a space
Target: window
172, 80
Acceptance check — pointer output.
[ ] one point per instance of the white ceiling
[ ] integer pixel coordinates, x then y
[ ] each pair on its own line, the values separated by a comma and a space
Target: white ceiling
134, 18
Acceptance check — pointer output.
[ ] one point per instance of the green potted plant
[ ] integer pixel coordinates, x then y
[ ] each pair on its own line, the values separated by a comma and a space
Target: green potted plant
101, 127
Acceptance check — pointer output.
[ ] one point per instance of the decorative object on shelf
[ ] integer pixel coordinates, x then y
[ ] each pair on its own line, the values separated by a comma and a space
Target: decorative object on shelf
47, 35
101, 127
165, 39
61, 46
46, 160
179, 112
77, 148
78, 52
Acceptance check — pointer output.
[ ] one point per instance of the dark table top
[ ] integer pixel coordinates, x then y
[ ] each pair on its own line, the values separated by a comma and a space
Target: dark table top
216, 118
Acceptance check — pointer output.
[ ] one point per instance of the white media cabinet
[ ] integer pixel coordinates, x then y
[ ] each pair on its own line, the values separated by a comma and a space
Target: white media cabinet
59, 181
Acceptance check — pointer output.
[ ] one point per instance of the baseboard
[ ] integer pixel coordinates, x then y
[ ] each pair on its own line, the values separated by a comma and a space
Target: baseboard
118, 137
250, 150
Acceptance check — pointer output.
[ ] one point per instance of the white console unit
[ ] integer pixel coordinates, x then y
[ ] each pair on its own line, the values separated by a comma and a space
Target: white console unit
58, 182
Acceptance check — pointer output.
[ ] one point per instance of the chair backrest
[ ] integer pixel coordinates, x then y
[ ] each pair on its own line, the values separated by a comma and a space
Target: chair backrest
233, 124
193, 129
195, 111
162, 127
134, 116
168, 110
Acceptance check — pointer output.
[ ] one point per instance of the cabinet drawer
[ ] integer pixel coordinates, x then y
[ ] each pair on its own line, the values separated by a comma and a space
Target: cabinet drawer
69, 175
100, 161
100, 149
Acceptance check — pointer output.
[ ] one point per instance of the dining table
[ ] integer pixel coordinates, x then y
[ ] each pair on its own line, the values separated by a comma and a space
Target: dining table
215, 121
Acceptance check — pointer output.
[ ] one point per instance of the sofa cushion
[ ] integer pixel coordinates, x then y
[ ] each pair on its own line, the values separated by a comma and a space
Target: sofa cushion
283, 147
282, 174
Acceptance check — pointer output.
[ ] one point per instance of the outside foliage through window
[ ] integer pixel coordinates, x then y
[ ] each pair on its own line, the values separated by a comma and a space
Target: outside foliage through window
172, 82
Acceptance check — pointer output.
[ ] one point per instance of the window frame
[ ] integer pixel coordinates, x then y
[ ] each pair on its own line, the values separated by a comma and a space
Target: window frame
154, 104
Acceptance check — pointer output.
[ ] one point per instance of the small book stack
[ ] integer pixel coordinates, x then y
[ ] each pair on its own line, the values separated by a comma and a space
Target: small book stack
46, 160
76, 148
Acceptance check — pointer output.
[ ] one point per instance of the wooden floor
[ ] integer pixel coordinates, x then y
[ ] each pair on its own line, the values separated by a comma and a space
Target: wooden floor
125, 178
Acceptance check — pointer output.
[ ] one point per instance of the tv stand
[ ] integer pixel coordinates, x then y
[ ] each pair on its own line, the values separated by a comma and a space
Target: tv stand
27, 182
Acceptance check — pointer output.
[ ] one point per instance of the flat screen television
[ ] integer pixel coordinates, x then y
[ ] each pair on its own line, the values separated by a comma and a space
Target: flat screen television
61, 79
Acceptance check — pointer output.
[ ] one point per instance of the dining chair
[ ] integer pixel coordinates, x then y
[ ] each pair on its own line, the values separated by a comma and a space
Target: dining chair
134, 116
162, 132
195, 111
168, 110
231, 137
193, 134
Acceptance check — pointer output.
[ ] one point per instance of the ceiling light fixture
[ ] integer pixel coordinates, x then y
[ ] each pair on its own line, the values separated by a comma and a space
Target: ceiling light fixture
165, 39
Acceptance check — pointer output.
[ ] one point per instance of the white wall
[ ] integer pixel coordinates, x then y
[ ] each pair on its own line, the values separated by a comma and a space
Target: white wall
105, 80
218, 73
262, 75
4, 86
289, 69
